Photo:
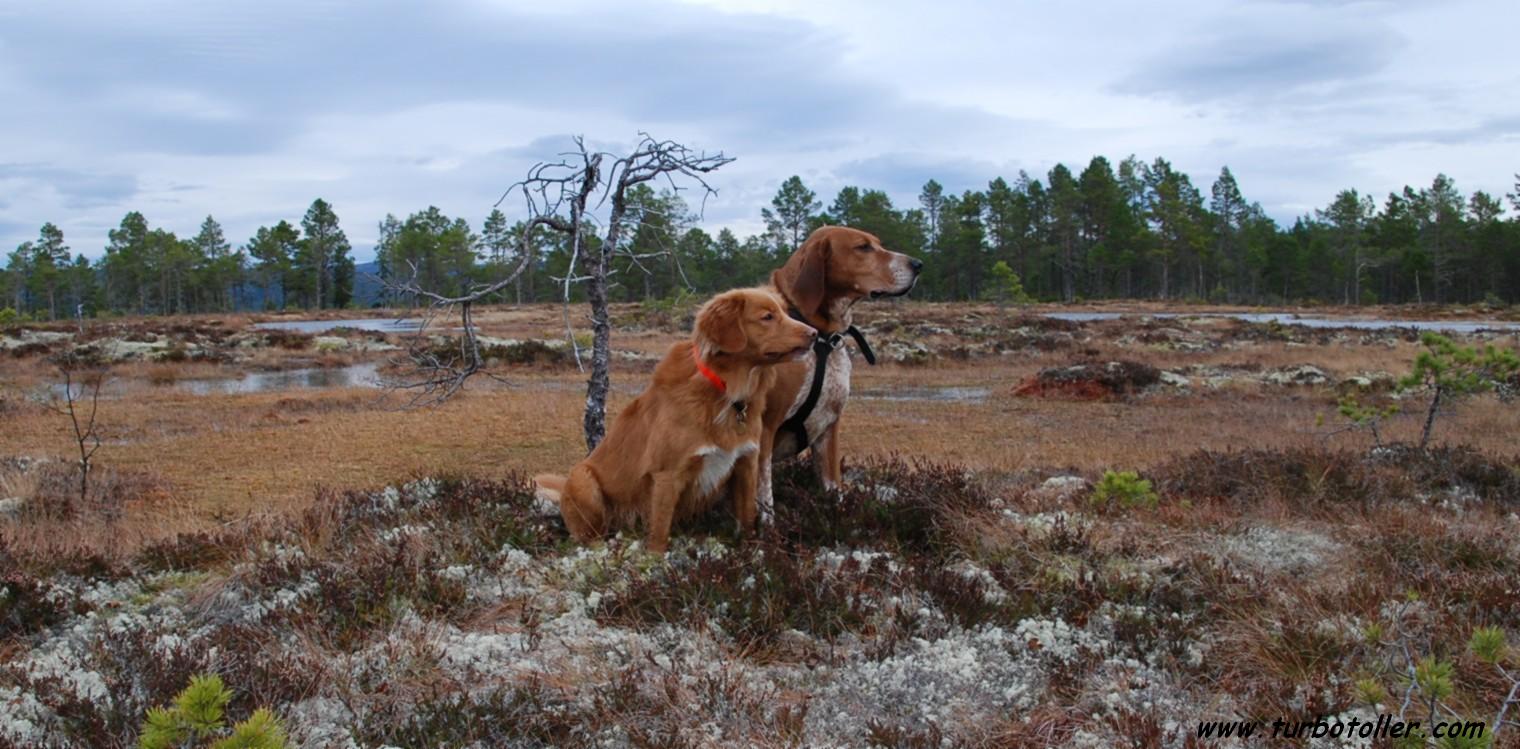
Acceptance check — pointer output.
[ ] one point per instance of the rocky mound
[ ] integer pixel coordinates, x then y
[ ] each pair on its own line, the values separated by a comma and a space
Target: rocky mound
1090, 381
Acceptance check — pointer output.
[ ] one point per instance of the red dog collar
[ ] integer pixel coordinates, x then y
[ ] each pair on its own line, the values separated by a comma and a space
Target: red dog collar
708, 373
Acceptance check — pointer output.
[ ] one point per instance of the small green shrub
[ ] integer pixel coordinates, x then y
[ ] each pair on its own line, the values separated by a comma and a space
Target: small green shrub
1365, 416
1434, 677
8, 316
1004, 285
1370, 692
1488, 644
198, 715
1124, 489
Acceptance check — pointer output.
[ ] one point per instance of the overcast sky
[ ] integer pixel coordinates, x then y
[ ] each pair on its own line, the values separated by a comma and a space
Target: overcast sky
249, 110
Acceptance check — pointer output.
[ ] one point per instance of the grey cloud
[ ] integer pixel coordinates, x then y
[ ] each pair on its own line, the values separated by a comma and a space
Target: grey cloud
114, 89
79, 189
13, 229
278, 62
905, 174
1497, 128
1272, 60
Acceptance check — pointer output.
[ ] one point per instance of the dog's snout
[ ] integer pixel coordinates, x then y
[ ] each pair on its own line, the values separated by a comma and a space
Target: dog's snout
916, 264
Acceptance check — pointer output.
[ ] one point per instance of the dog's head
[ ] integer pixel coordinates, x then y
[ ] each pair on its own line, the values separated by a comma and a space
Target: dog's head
750, 325
840, 262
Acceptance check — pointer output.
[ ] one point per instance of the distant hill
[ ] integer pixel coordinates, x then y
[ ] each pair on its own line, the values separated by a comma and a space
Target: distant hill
367, 286
367, 290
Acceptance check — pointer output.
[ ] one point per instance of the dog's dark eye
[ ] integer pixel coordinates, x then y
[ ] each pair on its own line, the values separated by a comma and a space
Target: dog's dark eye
865, 247
767, 317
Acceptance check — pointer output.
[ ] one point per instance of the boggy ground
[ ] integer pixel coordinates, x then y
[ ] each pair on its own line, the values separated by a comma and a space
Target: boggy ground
945, 391
967, 593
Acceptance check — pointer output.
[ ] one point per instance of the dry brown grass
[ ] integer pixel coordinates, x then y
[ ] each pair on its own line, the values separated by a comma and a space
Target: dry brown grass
225, 456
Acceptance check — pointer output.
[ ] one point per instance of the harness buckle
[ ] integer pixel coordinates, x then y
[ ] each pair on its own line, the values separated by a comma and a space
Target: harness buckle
835, 340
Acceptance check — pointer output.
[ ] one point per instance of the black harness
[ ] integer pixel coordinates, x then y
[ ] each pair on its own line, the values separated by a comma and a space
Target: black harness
822, 348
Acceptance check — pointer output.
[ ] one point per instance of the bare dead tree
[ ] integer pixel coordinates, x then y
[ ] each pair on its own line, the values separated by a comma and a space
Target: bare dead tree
558, 195
83, 378
437, 373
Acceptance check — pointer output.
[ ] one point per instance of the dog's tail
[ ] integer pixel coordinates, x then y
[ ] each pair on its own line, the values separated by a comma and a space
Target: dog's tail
550, 489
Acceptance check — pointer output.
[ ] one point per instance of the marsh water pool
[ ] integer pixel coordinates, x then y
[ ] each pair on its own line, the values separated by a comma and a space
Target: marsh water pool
1289, 318
365, 375
369, 325
413, 324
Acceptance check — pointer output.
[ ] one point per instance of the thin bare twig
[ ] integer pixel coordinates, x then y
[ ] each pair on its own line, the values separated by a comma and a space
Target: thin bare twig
559, 195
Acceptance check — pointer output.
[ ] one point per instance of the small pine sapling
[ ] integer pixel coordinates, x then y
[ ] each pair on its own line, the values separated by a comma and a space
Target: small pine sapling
1124, 489
198, 715
1450, 371
1005, 286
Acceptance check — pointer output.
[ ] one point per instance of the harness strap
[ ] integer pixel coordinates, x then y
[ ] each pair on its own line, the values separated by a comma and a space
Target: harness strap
797, 425
822, 348
860, 340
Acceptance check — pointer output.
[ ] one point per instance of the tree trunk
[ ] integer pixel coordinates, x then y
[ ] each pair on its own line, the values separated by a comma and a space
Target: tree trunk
1068, 272
594, 423
1356, 276
1430, 419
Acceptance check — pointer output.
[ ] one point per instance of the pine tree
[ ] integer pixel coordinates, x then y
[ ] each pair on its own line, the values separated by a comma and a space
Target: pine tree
49, 267
1175, 209
932, 199
792, 215
18, 269
272, 250
497, 244
323, 248
1065, 227
1348, 218
1230, 215
1442, 213
126, 264
219, 267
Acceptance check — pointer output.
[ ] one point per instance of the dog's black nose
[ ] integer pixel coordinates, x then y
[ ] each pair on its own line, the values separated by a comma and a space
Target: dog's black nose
916, 264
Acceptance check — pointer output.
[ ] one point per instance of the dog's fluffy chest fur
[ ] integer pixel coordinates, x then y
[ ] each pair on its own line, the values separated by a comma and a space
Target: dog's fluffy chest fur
718, 464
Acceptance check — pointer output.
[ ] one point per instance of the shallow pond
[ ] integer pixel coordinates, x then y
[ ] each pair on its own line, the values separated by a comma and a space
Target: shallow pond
364, 375
931, 394
370, 324
1288, 318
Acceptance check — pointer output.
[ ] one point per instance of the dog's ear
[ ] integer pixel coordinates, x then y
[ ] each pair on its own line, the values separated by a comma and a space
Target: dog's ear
805, 277
720, 325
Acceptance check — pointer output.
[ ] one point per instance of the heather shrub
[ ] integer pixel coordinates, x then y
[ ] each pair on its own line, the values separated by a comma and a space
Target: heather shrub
26, 605
526, 353
288, 339
887, 504
753, 593
1306, 478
